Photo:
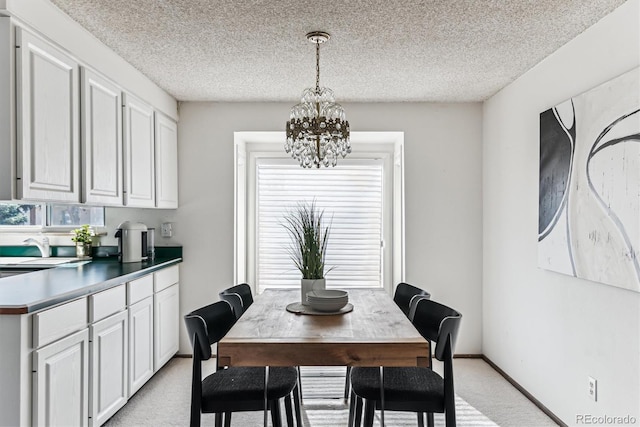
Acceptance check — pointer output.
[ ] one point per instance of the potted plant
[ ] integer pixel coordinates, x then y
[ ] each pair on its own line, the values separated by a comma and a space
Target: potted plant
83, 237
309, 237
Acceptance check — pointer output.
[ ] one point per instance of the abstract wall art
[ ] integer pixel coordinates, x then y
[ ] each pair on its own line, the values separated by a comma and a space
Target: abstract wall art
589, 184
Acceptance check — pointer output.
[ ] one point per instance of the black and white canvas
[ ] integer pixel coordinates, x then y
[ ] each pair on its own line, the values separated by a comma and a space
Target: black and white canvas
589, 194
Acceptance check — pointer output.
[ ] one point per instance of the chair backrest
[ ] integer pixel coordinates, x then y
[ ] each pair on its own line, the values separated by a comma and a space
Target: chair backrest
405, 293
437, 323
414, 303
239, 296
208, 325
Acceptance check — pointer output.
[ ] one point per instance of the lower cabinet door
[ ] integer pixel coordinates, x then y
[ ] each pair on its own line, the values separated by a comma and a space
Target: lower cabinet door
109, 362
60, 382
167, 321
140, 344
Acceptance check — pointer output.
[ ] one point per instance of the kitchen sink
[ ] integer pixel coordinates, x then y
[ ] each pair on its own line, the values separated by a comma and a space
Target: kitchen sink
37, 261
12, 260
15, 270
11, 266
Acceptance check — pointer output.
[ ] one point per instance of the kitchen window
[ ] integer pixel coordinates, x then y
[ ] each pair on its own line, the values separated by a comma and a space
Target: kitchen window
20, 215
74, 216
29, 216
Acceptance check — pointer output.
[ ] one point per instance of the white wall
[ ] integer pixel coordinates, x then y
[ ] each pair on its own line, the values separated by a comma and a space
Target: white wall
443, 197
546, 330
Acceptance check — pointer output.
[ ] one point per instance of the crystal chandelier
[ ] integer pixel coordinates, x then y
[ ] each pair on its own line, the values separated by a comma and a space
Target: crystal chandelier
317, 130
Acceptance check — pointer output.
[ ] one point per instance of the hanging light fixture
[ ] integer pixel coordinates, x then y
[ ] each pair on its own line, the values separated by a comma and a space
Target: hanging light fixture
317, 130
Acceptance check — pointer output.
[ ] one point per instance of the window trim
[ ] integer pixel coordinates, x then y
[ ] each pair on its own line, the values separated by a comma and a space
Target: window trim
249, 145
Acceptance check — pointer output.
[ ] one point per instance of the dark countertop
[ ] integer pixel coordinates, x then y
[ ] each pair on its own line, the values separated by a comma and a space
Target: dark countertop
30, 292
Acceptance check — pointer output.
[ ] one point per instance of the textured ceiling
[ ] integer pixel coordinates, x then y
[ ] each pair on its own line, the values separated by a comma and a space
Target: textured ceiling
256, 50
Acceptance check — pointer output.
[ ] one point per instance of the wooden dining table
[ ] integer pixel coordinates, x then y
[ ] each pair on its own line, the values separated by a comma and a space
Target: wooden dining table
374, 333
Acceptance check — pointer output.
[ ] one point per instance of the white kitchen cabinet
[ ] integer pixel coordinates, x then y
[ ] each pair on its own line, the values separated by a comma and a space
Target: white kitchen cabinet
61, 369
109, 367
166, 133
140, 344
48, 144
139, 160
101, 130
76, 363
109, 355
166, 325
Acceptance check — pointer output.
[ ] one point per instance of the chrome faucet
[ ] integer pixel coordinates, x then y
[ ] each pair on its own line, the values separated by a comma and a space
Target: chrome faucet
45, 250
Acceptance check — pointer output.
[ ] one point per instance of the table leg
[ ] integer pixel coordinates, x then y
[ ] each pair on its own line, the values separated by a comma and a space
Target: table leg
266, 401
381, 396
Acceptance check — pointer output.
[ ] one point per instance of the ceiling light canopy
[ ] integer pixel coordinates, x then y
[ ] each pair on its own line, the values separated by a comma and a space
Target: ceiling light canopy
317, 130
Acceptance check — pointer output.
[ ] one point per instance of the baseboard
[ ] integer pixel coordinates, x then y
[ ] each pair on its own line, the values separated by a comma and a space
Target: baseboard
525, 392
468, 356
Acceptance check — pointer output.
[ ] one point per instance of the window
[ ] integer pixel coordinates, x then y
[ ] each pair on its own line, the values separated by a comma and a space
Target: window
352, 199
17, 216
23, 215
364, 194
74, 215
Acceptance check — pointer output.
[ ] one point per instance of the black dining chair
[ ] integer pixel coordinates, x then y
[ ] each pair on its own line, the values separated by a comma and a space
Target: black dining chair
239, 296
403, 296
405, 293
233, 389
414, 389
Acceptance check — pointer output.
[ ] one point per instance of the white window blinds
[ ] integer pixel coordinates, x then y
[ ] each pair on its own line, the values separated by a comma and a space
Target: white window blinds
352, 198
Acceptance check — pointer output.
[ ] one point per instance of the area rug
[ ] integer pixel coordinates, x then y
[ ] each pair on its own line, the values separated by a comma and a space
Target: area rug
466, 416
164, 401
323, 407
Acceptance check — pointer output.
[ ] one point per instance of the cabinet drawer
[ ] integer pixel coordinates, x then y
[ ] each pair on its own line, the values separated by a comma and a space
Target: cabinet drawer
107, 302
139, 289
167, 277
58, 322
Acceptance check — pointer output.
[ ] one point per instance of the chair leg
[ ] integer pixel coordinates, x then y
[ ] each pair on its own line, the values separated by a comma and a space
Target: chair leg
347, 383
420, 419
369, 410
296, 405
196, 417
287, 410
358, 403
227, 419
276, 419
352, 410
299, 383
218, 419
430, 419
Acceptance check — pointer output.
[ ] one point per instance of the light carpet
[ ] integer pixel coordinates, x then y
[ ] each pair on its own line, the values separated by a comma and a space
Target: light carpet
164, 401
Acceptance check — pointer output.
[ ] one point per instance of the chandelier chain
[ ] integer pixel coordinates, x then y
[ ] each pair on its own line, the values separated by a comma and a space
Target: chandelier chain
317, 67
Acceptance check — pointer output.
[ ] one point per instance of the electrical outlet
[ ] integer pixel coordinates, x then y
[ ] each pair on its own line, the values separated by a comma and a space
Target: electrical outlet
166, 230
593, 389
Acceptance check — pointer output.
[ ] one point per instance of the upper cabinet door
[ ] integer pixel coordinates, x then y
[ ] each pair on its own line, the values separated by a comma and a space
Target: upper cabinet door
166, 162
139, 162
101, 118
47, 115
